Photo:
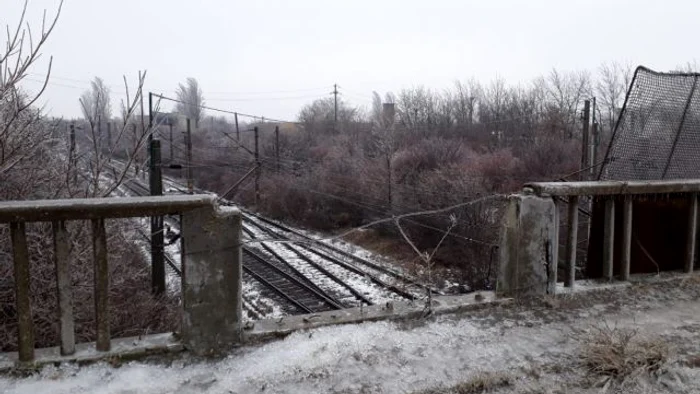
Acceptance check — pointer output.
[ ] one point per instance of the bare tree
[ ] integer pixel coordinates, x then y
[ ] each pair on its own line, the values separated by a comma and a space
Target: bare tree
689, 67
96, 102
34, 164
191, 100
613, 81
463, 103
565, 93
318, 117
376, 114
17, 139
129, 143
417, 109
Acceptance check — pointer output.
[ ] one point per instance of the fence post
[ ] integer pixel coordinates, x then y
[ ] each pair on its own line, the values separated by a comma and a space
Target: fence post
211, 280
61, 245
571, 242
529, 247
99, 252
626, 259
25, 325
692, 234
609, 239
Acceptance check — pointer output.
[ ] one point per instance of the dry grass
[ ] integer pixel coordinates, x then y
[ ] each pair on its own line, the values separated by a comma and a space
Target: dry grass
483, 382
621, 355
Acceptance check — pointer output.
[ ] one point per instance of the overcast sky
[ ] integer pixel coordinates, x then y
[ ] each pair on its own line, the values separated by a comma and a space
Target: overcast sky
271, 57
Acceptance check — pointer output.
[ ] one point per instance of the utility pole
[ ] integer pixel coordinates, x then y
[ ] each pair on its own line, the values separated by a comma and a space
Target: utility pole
143, 130
155, 181
109, 137
257, 169
188, 138
594, 144
238, 132
388, 120
73, 160
584, 138
150, 117
170, 124
277, 147
335, 101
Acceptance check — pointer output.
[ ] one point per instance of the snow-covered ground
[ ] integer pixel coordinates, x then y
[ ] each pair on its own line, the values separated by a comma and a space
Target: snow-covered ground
536, 346
255, 306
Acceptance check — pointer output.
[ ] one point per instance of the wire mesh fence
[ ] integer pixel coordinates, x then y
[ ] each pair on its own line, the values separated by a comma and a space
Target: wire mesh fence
657, 135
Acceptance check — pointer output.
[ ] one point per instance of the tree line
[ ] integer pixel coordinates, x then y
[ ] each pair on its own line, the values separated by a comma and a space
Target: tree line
342, 166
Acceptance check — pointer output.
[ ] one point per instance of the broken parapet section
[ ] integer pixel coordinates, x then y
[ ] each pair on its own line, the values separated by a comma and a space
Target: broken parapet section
528, 249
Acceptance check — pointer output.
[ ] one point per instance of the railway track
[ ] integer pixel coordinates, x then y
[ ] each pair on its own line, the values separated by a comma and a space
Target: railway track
380, 275
328, 265
303, 297
300, 274
276, 274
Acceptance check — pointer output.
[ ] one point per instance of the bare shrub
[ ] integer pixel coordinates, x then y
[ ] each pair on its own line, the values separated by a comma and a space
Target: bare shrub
550, 157
35, 164
620, 355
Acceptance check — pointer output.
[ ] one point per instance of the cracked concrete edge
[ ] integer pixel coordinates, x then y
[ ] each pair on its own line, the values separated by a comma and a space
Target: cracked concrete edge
123, 349
270, 329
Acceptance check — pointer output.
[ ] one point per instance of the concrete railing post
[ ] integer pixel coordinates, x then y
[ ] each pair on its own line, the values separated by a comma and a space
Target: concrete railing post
211, 280
529, 247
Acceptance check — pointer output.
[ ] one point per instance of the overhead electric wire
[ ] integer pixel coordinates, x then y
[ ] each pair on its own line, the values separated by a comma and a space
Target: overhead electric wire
272, 91
383, 210
365, 177
264, 98
379, 204
162, 97
380, 182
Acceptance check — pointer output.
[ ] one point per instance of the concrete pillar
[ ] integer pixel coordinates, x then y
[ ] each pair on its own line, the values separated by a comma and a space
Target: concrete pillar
211, 280
529, 247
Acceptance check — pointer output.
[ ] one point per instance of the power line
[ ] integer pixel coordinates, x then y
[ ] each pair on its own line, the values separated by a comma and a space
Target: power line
382, 210
273, 91
356, 93
162, 97
264, 98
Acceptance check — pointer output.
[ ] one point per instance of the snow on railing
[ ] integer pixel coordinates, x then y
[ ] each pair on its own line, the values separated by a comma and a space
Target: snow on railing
200, 216
626, 190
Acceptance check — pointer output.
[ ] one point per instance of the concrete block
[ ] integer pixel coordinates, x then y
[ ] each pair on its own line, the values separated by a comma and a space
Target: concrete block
529, 247
211, 280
